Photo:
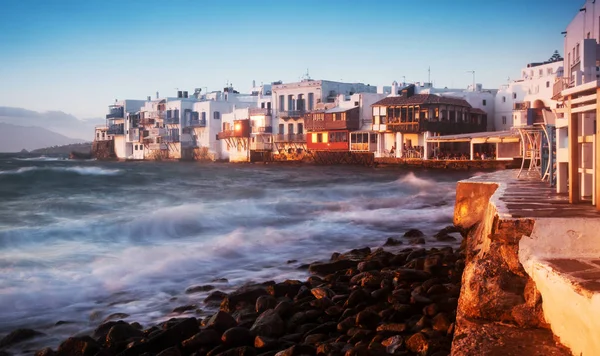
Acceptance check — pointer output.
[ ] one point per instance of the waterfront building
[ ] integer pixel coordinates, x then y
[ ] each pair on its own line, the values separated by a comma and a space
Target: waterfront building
405, 121
291, 101
578, 93
118, 124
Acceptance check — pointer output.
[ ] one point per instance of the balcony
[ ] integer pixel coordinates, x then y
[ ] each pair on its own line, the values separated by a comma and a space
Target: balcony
300, 138
443, 127
294, 114
115, 129
320, 125
171, 138
559, 85
115, 112
171, 121
521, 106
147, 121
259, 111
241, 128
198, 122
262, 129
155, 132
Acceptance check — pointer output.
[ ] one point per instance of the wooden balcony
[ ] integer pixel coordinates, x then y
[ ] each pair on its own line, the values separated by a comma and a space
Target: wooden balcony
324, 125
143, 122
443, 127
560, 84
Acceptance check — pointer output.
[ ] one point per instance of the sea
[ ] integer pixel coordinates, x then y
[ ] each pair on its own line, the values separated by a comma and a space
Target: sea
83, 240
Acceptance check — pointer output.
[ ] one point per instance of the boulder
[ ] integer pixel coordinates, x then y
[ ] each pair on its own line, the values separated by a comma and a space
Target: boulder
269, 324
414, 233
243, 297
332, 267
18, 336
236, 337
221, 321
265, 302
80, 346
205, 338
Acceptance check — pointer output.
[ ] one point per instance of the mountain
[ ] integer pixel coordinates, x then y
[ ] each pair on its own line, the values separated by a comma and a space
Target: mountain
14, 138
85, 147
57, 121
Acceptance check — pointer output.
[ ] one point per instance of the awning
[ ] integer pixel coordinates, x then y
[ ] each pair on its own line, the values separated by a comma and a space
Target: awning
479, 137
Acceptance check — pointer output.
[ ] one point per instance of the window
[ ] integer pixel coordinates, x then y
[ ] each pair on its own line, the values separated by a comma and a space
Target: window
503, 120
311, 101
541, 72
281, 129
319, 137
203, 116
547, 84
356, 103
503, 99
514, 95
281, 102
484, 102
97, 134
291, 129
216, 115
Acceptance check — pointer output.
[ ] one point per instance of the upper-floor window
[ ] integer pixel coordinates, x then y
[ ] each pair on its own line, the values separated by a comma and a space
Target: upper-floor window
550, 71
514, 95
541, 72
503, 99
216, 115
484, 102
503, 120
204, 116
547, 84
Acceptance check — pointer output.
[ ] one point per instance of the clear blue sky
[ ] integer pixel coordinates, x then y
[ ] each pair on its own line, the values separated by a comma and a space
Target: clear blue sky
78, 56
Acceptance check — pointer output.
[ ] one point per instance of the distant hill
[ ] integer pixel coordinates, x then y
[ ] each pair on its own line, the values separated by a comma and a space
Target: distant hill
15, 138
56, 121
85, 147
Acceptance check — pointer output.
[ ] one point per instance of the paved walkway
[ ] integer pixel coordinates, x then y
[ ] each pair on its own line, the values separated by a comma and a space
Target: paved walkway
529, 197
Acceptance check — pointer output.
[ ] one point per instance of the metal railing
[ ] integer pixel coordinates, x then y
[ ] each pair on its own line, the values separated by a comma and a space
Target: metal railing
259, 111
198, 122
171, 121
115, 112
291, 114
262, 129
116, 129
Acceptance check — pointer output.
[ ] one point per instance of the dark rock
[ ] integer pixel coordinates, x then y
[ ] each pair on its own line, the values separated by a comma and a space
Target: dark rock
334, 311
331, 267
410, 275
305, 328
396, 328
393, 344
204, 338
401, 296
284, 308
296, 337
103, 329
367, 319
237, 336
197, 289
441, 323
184, 308
443, 237
355, 254
322, 292
220, 280
18, 336
79, 346
46, 351
62, 322
171, 351
431, 310
417, 343
176, 332
215, 297
368, 266
324, 328
392, 242
313, 339
288, 288
265, 343
414, 233
120, 333
243, 297
221, 321
239, 351
265, 302
356, 297
297, 350
416, 241
269, 324
346, 324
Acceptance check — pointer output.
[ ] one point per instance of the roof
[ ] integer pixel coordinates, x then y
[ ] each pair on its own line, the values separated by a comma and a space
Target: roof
478, 111
338, 109
421, 99
488, 136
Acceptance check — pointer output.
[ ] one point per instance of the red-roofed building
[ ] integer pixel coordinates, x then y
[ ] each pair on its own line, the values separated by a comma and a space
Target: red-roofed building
405, 121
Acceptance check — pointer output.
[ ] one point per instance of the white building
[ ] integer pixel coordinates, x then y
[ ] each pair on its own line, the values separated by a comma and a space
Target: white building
292, 100
117, 125
577, 93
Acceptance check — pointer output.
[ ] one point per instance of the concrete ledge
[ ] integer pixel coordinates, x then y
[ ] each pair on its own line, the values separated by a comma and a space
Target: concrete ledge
562, 256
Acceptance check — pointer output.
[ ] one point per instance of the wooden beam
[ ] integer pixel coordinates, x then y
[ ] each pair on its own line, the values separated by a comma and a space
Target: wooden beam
574, 195
597, 153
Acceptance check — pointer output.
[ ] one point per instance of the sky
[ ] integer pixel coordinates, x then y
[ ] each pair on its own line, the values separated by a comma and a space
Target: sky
78, 56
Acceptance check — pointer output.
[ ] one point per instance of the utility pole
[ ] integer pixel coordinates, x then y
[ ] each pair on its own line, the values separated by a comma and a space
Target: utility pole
472, 72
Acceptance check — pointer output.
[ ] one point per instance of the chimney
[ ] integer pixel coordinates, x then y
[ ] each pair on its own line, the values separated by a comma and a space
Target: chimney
156, 95
179, 94
394, 88
185, 94
149, 98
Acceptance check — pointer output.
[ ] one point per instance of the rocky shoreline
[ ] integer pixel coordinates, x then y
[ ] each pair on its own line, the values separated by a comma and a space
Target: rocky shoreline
391, 300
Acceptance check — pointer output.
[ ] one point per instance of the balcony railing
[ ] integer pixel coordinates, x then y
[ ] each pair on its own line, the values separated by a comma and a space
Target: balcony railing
171, 139
444, 127
115, 113
228, 133
262, 129
198, 122
147, 122
261, 146
155, 132
293, 114
559, 85
316, 125
521, 106
259, 111
115, 130
171, 121
157, 146
289, 138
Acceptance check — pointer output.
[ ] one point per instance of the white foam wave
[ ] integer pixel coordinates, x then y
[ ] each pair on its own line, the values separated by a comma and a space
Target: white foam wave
412, 180
93, 171
42, 159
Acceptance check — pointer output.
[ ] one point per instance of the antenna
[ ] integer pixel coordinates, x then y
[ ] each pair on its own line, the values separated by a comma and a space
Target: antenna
429, 74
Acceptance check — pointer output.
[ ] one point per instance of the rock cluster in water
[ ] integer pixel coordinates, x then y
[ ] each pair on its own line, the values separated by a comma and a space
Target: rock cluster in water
362, 302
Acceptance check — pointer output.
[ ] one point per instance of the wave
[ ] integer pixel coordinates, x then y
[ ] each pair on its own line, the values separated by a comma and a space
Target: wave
42, 159
93, 171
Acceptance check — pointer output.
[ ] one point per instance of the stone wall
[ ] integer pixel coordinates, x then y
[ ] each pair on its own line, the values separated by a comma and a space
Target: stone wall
103, 150
445, 164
